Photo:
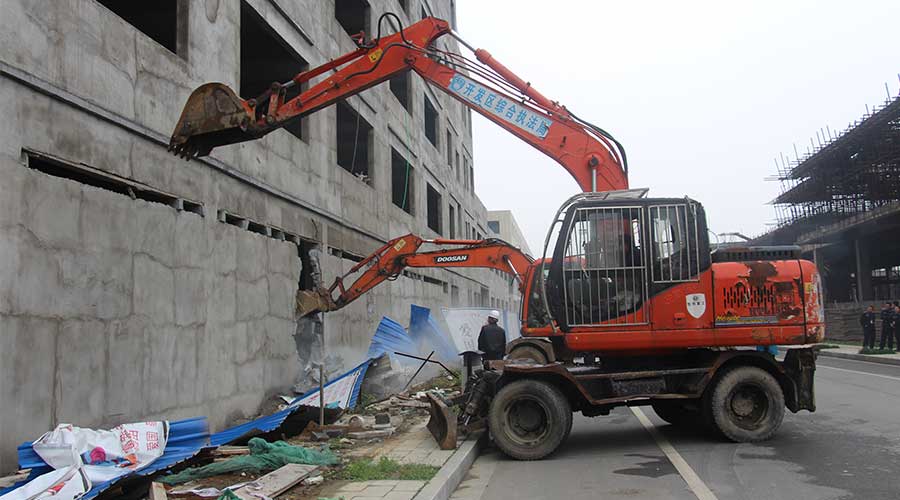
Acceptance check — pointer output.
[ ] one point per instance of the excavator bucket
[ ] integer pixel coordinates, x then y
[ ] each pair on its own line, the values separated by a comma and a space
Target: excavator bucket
442, 423
314, 301
213, 116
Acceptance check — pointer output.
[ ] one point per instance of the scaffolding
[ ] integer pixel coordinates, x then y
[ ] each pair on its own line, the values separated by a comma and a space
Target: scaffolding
851, 172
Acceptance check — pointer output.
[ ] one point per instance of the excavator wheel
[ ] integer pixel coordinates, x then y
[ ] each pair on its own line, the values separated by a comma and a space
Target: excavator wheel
529, 419
747, 404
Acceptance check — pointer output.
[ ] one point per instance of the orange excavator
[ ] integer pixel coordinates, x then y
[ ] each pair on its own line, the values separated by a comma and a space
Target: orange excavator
629, 307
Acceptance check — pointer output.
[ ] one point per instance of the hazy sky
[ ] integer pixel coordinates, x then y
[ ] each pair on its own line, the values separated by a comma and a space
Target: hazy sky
703, 95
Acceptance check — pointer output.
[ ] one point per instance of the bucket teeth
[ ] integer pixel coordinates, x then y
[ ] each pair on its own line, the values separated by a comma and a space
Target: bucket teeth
213, 116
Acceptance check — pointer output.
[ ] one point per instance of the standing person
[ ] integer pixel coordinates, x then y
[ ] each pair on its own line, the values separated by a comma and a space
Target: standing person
896, 322
492, 338
887, 332
867, 320
887, 321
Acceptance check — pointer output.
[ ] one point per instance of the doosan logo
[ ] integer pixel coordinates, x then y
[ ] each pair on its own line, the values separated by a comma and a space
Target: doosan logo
450, 258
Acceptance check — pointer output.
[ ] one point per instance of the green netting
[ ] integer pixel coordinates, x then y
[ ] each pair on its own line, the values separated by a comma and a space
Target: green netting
263, 457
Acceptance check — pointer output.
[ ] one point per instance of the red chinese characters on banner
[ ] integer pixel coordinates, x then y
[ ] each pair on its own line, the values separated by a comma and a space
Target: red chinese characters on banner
152, 440
129, 438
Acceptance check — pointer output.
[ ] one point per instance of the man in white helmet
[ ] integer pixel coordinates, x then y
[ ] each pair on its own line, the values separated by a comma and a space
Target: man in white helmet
492, 338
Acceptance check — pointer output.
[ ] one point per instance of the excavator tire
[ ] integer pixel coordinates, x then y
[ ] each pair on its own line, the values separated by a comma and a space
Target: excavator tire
676, 413
529, 419
747, 404
528, 353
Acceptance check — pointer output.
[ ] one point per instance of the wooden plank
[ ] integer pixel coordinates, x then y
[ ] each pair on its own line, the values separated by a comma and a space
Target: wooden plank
277, 482
228, 451
6, 482
157, 491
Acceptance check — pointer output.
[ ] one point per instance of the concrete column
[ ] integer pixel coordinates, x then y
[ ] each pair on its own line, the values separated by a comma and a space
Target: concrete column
863, 270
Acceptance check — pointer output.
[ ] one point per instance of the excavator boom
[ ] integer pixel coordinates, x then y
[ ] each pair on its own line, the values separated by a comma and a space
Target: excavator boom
215, 115
393, 257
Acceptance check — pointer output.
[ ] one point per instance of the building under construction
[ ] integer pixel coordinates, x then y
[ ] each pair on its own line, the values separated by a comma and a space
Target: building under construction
841, 204
135, 285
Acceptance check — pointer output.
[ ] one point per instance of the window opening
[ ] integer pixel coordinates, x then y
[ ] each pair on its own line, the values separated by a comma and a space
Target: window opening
401, 182
354, 138
267, 58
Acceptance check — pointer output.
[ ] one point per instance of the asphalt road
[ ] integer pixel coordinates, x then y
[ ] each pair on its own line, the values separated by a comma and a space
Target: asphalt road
848, 448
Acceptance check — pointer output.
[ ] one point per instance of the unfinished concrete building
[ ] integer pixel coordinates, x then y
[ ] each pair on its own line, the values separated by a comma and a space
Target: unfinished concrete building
841, 204
136, 285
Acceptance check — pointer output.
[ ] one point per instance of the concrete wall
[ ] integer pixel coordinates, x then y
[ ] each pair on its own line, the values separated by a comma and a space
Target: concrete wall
115, 309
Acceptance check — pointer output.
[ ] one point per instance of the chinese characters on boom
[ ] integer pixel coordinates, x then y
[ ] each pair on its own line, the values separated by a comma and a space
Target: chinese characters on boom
509, 111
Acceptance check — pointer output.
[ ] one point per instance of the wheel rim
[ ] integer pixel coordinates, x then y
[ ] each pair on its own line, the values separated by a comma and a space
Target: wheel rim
748, 406
527, 421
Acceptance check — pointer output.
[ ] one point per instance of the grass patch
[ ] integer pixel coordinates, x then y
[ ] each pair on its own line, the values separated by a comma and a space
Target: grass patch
877, 351
385, 468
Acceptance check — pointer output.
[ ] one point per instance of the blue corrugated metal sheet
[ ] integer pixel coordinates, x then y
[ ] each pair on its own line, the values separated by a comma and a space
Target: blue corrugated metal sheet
186, 439
391, 337
426, 333
271, 422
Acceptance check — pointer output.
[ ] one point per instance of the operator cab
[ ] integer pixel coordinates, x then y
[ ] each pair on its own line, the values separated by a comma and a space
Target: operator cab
617, 249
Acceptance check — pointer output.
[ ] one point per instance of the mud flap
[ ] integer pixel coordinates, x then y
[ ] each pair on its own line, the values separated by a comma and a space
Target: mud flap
442, 423
800, 367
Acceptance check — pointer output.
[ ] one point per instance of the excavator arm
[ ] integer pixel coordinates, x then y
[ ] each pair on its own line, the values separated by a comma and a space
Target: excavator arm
215, 116
393, 257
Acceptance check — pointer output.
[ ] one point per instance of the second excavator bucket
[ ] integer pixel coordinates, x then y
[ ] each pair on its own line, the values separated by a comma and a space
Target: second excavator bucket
442, 423
213, 116
314, 301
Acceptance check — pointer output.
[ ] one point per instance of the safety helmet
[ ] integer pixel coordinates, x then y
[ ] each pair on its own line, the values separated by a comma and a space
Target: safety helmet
494, 314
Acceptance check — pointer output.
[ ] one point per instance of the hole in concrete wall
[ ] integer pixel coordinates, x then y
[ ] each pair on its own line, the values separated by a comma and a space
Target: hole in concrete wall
454, 296
98, 178
431, 122
354, 137
307, 280
258, 228
434, 209
267, 58
159, 19
401, 86
457, 166
434, 281
401, 182
452, 216
343, 254
494, 225
352, 15
423, 13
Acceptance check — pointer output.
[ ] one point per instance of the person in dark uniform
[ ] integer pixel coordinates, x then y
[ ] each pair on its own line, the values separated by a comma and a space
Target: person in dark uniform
887, 329
896, 322
867, 320
492, 338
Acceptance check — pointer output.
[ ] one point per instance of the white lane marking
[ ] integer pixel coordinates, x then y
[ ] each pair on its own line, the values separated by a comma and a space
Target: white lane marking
697, 486
859, 372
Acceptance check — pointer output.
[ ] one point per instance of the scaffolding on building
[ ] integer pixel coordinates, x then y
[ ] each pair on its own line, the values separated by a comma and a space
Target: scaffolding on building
842, 174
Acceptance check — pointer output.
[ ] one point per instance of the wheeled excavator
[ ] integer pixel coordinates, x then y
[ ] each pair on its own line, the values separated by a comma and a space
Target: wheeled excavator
629, 306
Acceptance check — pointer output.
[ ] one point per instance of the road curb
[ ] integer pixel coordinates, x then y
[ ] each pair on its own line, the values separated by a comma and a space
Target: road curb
859, 357
453, 471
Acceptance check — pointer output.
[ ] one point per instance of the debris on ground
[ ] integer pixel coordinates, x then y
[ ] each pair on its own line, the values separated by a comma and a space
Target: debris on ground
264, 456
